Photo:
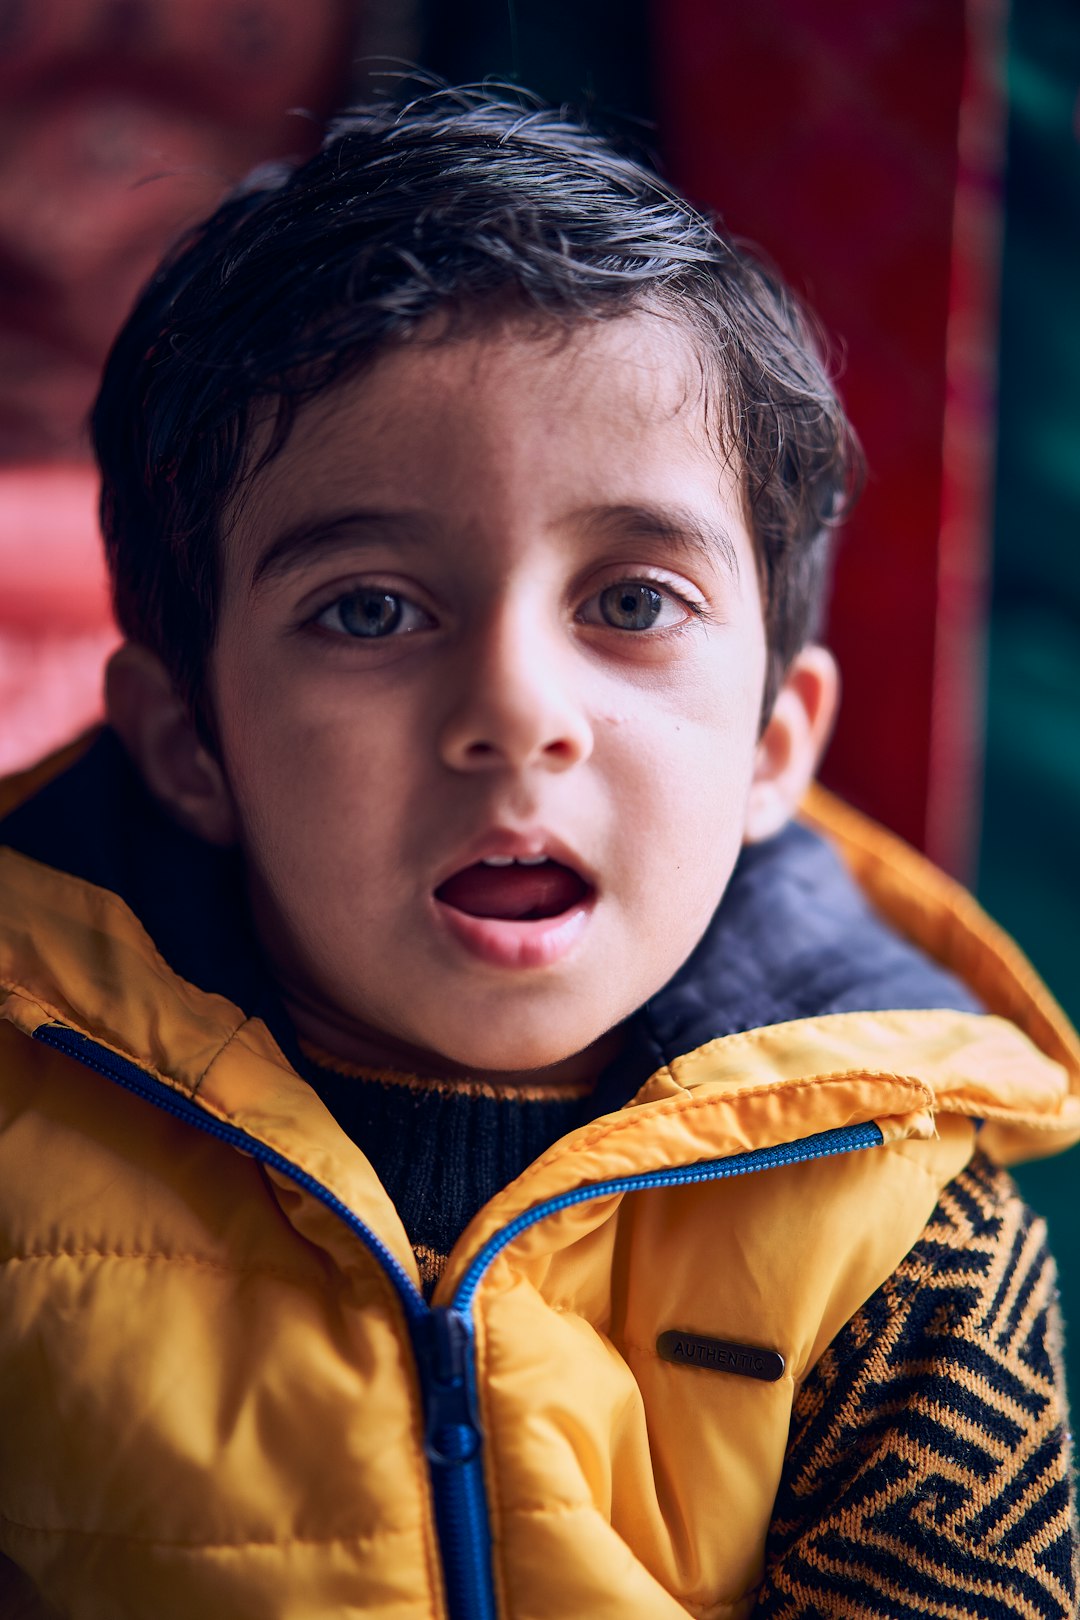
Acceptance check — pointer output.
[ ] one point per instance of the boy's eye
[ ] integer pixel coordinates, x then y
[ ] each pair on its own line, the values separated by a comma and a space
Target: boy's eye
372, 614
636, 605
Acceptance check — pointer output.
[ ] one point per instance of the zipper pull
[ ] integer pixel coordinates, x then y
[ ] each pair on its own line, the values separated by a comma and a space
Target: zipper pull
451, 1427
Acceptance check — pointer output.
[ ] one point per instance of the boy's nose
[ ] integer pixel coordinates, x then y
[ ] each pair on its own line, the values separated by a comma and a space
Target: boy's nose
516, 706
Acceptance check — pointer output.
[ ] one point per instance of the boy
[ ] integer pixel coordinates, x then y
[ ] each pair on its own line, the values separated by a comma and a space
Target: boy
466, 1151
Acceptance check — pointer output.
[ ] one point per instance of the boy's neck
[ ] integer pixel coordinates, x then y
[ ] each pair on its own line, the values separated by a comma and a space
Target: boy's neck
361, 1046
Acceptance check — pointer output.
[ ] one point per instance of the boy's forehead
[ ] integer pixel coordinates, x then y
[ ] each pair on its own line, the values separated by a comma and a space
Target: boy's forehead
607, 414
642, 369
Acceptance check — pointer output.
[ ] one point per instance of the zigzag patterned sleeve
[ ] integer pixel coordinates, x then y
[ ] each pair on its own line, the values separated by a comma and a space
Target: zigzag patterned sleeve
928, 1466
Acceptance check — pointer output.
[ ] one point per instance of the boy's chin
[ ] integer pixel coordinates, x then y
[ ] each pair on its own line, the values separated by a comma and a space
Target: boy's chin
534, 1044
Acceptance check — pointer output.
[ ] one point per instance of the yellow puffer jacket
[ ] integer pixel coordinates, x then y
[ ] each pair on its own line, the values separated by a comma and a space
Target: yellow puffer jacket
222, 1394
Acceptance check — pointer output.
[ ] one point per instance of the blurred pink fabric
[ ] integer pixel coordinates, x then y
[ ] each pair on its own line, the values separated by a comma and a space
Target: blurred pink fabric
120, 124
56, 628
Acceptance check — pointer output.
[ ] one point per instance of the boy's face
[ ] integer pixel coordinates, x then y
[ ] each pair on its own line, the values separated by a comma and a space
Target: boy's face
494, 599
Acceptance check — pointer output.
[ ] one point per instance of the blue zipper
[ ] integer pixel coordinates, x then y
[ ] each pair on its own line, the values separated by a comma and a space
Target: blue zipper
443, 1337
132, 1078
822, 1145
442, 1341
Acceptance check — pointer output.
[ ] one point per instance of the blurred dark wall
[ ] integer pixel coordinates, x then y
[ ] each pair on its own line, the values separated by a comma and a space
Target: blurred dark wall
593, 53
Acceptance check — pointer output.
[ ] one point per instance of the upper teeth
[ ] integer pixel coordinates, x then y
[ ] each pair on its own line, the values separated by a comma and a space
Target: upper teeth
513, 860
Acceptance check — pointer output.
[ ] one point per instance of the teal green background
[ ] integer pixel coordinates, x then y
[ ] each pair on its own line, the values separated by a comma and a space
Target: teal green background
1029, 876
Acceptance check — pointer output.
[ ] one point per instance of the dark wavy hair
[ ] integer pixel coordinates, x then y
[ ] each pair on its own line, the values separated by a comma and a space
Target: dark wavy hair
454, 201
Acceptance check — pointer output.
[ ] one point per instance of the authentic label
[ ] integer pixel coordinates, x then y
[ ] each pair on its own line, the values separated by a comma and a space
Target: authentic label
720, 1355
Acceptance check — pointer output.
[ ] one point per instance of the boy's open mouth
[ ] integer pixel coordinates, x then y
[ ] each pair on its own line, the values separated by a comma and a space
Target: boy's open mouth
514, 890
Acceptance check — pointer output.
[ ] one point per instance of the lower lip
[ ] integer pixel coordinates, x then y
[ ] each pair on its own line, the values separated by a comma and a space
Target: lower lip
505, 944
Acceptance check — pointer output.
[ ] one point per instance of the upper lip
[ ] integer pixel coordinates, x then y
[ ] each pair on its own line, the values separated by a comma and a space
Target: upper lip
518, 843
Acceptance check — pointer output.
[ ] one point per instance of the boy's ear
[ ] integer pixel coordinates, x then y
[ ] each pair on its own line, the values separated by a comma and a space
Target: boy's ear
158, 732
792, 742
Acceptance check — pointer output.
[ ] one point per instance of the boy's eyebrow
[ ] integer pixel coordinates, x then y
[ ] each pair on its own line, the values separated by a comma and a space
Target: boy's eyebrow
678, 526
294, 545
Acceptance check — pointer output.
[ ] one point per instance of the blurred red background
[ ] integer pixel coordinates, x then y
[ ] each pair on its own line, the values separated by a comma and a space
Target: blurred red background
876, 194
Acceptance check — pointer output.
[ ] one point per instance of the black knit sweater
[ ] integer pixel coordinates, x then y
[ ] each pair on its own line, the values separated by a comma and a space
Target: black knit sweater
443, 1148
